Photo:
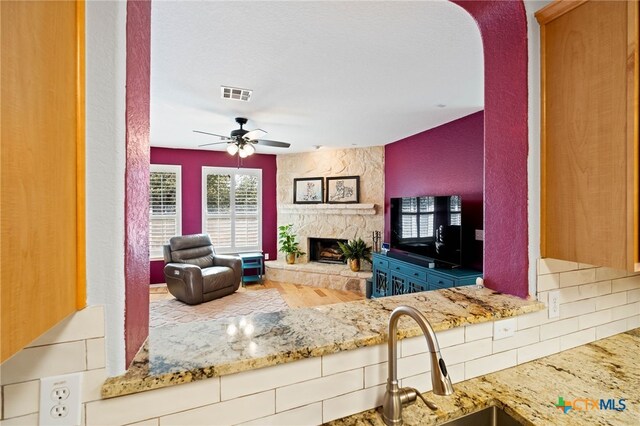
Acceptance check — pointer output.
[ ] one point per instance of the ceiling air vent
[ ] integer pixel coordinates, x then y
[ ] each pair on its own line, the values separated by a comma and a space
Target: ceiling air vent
236, 93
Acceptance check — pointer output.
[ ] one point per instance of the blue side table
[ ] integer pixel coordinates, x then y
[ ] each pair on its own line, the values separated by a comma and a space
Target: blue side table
251, 262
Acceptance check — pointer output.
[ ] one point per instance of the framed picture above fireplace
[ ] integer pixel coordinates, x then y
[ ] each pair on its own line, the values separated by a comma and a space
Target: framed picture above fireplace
308, 190
344, 189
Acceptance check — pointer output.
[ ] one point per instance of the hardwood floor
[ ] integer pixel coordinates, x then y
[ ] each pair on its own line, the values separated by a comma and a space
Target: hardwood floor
296, 295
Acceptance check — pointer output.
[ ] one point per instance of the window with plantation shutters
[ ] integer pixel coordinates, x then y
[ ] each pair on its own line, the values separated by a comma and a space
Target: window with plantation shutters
232, 213
164, 207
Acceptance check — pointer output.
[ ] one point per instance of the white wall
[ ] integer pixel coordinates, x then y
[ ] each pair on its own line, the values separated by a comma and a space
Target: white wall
105, 165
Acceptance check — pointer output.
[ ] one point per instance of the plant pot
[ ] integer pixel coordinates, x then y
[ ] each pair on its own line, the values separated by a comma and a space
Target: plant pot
354, 264
291, 258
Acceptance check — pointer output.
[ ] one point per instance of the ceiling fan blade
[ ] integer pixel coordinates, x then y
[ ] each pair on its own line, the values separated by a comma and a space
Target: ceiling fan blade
212, 134
254, 134
276, 144
214, 143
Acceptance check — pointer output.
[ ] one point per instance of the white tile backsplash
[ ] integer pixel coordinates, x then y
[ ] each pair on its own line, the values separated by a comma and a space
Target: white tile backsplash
92, 381
625, 311
28, 420
85, 324
580, 307
254, 381
308, 415
21, 399
624, 284
95, 353
578, 338
609, 329
538, 350
594, 318
230, 412
520, 338
348, 360
159, 402
488, 364
611, 300
609, 274
577, 277
549, 266
478, 331
559, 328
467, 351
633, 295
148, 422
375, 374
44, 361
548, 282
354, 402
304, 393
418, 344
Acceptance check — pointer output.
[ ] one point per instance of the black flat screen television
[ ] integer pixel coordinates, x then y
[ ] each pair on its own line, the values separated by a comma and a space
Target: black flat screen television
429, 228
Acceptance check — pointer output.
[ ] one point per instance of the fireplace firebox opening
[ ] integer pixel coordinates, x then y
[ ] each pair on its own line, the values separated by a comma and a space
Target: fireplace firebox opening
325, 250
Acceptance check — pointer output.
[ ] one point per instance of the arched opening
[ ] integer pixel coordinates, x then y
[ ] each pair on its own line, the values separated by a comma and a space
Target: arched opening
503, 30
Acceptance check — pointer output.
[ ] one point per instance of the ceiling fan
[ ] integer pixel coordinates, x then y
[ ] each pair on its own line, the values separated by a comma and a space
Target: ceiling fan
242, 141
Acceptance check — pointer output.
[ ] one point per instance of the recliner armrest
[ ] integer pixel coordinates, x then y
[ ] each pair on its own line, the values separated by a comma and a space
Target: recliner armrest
232, 262
184, 281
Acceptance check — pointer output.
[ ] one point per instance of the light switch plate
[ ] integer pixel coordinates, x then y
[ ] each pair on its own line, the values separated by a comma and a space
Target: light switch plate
504, 328
479, 235
266, 256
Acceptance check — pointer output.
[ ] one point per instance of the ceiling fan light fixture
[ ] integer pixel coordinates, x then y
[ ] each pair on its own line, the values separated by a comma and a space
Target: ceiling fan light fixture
249, 149
243, 154
232, 149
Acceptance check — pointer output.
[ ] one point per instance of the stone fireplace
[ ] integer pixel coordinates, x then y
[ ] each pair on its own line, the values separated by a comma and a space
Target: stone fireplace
312, 222
325, 250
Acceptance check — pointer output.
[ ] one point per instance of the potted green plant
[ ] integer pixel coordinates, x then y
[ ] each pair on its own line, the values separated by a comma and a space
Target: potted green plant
288, 243
354, 251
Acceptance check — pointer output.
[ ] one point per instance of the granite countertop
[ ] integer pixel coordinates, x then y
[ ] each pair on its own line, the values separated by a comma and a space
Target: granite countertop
605, 369
186, 352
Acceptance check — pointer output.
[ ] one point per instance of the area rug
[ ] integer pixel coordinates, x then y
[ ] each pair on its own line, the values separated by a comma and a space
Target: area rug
167, 312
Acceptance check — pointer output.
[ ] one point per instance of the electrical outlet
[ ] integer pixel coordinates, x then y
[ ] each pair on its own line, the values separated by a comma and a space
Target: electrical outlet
479, 235
503, 329
60, 400
266, 256
554, 304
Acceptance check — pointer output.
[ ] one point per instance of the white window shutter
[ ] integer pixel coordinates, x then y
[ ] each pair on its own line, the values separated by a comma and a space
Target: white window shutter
232, 216
164, 207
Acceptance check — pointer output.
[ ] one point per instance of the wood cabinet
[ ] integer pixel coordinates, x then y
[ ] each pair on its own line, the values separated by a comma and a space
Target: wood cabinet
589, 169
393, 276
42, 215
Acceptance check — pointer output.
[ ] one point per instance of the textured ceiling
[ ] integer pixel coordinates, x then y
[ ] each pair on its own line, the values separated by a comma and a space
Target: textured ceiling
335, 74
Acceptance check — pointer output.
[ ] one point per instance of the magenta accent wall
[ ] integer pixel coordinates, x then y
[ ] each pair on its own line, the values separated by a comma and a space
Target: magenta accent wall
192, 162
445, 160
136, 264
503, 27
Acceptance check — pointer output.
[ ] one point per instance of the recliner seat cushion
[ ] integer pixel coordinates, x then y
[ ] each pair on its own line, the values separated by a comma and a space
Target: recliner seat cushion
217, 277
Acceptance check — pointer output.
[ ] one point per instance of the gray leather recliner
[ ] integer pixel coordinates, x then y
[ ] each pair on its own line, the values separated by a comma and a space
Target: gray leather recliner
195, 274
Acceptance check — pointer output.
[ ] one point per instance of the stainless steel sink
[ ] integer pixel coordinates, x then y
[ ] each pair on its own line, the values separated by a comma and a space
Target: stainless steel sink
490, 416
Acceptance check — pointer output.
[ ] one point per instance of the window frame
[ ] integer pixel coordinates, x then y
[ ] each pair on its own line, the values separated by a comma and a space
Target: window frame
167, 168
210, 170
